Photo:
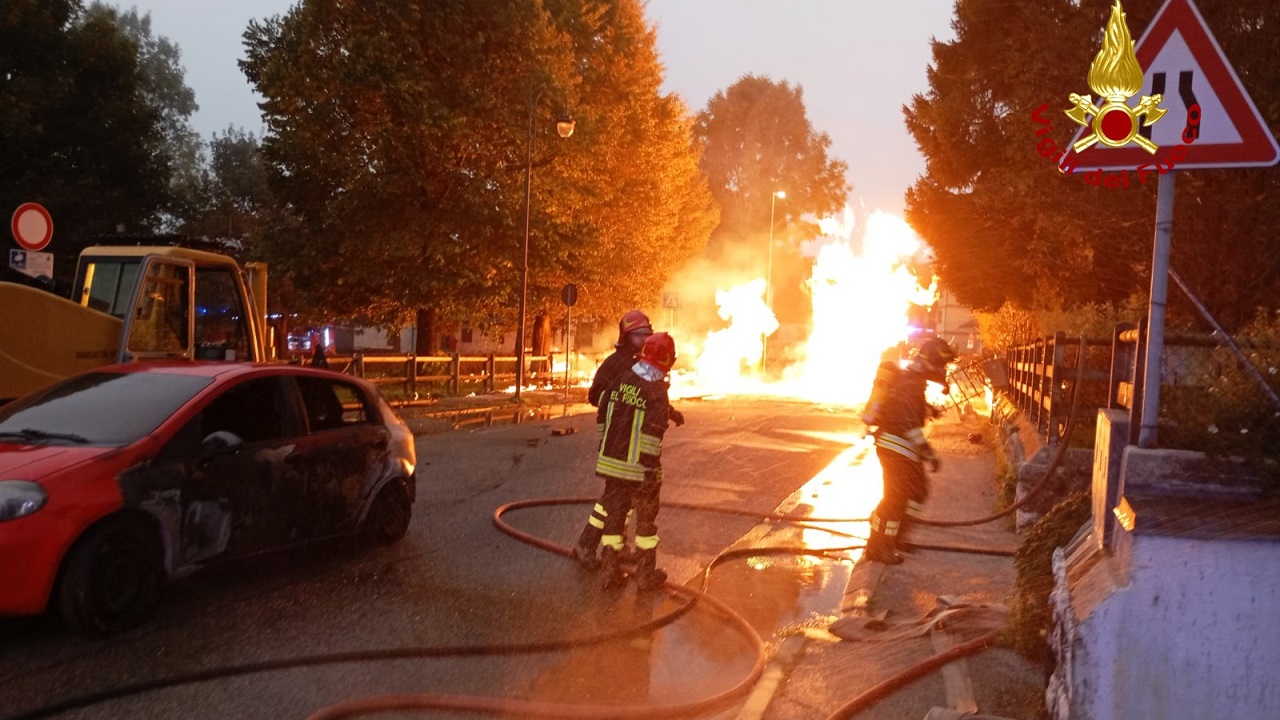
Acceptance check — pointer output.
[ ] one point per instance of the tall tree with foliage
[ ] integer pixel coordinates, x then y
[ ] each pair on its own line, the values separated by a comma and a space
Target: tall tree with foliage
1006, 227
399, 138
756, 139
77, 131
162, 82
233, 200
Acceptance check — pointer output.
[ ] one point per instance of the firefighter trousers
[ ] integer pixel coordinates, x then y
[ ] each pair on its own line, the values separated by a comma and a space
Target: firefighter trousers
904, 482
621, 496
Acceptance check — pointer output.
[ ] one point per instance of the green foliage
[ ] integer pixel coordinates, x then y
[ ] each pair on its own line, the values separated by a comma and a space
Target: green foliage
1218, 406
232, 200
163, 87
1006, 227
1012, 325
399, 137
79, 130
1033, 565
757, 140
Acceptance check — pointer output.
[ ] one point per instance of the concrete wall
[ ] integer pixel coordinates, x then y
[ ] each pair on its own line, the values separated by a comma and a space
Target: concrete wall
1026, 451
1175, 616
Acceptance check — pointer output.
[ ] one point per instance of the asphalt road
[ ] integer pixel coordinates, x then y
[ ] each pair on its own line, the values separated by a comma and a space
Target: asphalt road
457, 581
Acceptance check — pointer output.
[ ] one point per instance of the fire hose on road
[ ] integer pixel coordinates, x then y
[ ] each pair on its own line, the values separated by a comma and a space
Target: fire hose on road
529, 708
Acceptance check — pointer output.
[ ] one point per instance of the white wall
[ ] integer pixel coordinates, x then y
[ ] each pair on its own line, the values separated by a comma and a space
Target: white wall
1180, 616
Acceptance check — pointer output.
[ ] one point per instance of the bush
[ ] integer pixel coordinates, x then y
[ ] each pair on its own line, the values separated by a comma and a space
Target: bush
1029, 611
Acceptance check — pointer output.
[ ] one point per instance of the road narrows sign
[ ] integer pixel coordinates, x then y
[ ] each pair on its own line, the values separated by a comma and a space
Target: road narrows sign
32, 226
1211, 116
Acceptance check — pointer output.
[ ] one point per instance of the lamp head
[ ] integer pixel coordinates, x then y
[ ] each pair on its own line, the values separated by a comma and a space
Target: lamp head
564, 125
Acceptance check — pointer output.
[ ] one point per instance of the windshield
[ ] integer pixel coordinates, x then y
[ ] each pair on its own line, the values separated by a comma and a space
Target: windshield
98, 408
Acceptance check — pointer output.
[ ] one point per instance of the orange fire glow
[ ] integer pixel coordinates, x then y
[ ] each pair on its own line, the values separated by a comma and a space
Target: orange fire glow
861, 289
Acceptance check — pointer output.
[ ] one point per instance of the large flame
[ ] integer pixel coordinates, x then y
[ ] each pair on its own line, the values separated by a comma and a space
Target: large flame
861, 293
1115, 72
731, 358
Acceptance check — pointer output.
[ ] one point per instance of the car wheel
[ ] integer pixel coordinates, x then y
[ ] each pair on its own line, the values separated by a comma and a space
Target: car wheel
111, 578
388, 518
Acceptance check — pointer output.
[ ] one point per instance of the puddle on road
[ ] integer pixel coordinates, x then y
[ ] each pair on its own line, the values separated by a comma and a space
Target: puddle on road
776, 592
479, 417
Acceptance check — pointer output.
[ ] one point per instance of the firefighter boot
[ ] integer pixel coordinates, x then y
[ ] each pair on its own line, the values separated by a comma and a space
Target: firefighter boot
648, 576
906, 533
584, 552
614, 577
880, 549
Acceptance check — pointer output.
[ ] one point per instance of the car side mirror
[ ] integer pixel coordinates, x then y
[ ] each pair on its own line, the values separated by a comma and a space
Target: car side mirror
220, 443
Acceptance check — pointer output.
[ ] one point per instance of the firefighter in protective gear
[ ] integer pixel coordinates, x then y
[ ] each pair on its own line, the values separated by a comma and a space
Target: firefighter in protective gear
634, 412
633, 328
902, 449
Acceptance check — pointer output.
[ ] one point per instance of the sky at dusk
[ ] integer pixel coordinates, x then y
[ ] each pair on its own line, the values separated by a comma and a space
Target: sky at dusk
858, 62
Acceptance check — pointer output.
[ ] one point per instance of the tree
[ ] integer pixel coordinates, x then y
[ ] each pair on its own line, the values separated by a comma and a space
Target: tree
424, 114
232, 199
756, 139
1006, 228
163, 86
76, 131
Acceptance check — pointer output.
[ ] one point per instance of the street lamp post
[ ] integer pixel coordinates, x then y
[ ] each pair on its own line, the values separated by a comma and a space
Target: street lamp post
768, 278
564, 127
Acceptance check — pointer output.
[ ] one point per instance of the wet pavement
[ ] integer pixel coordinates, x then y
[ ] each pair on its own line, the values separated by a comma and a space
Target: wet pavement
439, 588
900, 615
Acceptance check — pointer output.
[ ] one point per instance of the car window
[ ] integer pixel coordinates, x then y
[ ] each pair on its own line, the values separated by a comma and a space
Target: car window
253, 411
332, 403
103, 408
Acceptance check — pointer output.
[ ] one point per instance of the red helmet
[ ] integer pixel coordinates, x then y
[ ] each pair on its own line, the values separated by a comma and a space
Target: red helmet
631, 322
659, 351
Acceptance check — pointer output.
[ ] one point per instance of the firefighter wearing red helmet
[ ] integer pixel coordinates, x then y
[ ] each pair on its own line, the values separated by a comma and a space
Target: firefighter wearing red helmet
633, 328
634, 413
902, 449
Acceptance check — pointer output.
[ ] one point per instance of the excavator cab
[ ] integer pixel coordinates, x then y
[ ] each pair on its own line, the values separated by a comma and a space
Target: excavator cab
187, 304
131, 303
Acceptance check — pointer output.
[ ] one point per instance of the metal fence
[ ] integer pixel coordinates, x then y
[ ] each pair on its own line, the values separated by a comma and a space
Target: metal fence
1217, 394
410, 379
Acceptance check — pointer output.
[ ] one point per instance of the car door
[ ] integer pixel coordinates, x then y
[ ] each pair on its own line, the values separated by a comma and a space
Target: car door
242, 493
342, 455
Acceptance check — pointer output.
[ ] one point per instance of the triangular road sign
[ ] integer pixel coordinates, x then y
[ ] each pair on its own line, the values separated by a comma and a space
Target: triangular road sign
1183, 62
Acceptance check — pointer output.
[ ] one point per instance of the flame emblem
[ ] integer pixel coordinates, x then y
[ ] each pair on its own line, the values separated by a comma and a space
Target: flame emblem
1116, 76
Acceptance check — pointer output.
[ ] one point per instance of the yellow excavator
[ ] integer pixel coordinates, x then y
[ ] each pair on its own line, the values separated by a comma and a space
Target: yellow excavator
132, 303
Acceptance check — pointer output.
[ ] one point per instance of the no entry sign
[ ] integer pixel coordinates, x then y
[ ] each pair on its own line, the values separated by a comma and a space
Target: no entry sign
32, 226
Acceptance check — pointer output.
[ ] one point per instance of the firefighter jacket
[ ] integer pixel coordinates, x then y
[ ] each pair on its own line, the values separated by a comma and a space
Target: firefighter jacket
902, 417
610, 370
633, 414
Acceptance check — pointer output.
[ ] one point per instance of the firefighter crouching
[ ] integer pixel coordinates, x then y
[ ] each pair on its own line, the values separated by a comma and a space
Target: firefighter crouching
634, 412
899, 414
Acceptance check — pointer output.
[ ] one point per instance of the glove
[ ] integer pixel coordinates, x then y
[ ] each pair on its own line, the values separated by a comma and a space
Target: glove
677, 417
929, 456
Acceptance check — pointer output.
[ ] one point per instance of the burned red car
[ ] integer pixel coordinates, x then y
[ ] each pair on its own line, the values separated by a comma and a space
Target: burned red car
113, 481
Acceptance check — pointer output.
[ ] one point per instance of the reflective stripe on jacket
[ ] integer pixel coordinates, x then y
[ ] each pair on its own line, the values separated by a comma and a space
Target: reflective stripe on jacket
635, 413
902, 416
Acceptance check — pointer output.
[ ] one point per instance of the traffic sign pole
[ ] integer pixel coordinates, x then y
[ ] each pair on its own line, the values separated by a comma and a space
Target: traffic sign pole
1147, 435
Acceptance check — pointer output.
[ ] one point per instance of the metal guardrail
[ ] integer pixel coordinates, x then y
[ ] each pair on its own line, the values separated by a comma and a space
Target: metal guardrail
1040, 377
1204, 388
